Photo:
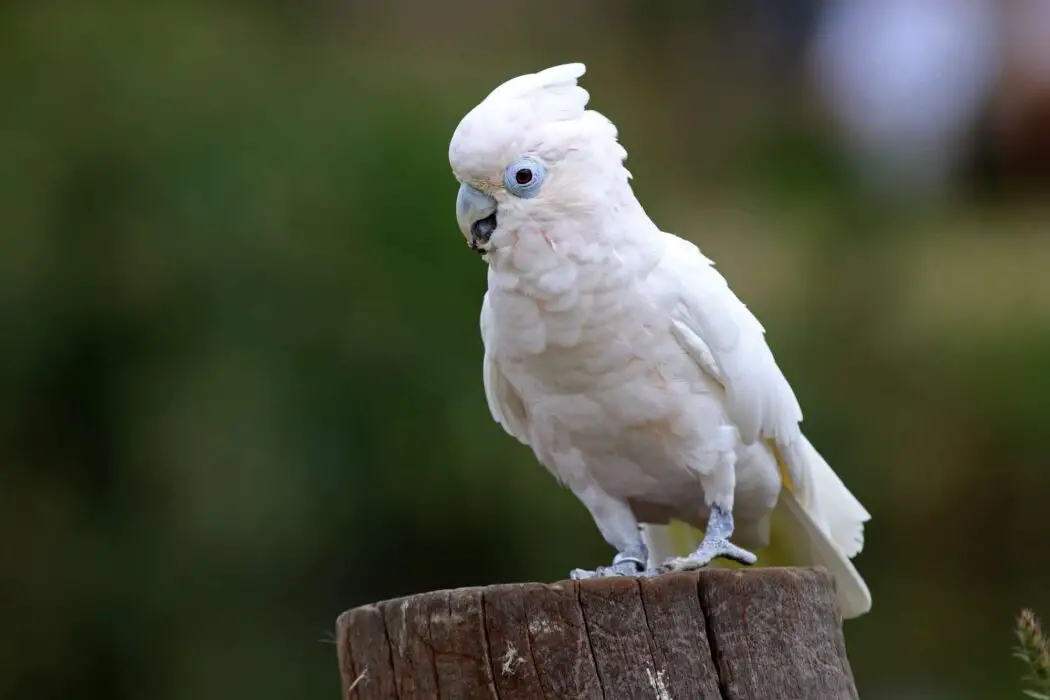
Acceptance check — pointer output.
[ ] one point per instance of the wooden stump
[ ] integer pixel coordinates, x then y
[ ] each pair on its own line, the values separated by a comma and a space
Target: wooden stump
763, 633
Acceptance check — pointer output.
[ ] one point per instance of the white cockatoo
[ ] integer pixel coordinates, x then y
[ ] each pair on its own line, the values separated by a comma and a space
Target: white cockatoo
619, 354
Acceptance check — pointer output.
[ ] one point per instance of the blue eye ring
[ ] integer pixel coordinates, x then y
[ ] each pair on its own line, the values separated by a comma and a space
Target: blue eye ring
524, 177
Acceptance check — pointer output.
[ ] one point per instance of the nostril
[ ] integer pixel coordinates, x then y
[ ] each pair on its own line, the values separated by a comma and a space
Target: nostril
481, 230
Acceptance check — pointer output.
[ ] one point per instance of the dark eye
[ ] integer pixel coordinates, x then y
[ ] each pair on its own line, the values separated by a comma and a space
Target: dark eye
524, 177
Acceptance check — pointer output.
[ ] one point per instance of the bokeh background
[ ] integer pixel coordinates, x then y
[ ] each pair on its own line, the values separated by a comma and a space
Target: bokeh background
240, 383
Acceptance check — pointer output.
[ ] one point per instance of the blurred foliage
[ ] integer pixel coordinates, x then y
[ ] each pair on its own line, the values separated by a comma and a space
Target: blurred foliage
1034, 651
240, 369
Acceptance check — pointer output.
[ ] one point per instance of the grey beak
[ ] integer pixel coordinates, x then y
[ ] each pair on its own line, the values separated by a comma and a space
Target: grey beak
476, 215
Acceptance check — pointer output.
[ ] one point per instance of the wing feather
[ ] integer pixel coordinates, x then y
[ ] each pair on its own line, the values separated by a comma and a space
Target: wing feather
505, 404
726, 340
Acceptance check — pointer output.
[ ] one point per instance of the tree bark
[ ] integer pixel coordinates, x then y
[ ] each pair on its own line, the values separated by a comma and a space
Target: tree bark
763, 633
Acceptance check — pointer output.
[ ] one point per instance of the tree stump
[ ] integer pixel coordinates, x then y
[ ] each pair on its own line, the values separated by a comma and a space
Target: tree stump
764, 633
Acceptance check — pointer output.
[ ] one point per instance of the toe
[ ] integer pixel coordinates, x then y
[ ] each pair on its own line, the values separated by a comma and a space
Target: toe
707, 552
741, 555
683, 564
737, 554
626, 568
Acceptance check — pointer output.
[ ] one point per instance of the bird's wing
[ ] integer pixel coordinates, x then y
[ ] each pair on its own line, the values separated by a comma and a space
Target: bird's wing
505, 404
722, 335
718, 331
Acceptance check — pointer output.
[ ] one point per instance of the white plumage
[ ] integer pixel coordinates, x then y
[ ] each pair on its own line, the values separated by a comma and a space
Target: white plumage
619, 354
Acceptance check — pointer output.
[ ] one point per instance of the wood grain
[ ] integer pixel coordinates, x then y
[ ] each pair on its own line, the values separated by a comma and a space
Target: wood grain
764, 633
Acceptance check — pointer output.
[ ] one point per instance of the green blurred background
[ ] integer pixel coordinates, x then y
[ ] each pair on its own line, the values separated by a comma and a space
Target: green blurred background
240, 383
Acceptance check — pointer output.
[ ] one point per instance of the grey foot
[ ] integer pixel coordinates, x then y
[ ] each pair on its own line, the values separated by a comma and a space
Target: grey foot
710, 549
624, 564
715, 544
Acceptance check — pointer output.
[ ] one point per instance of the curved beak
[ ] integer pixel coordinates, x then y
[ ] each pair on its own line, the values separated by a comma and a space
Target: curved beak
476, 214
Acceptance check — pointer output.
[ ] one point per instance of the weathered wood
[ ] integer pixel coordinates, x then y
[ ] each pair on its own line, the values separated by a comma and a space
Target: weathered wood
763, 633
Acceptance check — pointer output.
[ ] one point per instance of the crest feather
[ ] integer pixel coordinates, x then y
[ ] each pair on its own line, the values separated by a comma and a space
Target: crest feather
545, 112
549, 95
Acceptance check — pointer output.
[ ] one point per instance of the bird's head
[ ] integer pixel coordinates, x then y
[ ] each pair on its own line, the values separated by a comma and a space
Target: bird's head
531, 154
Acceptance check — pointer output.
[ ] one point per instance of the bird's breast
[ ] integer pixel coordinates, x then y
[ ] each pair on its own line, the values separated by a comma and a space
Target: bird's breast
575, 329
581, 334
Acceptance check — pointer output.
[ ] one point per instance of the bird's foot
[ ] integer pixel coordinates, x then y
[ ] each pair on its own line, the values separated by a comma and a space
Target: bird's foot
624, 564
715, 544
710, 549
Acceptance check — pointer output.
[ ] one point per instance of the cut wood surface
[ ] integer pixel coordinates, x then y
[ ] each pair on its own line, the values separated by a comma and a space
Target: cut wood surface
764, 633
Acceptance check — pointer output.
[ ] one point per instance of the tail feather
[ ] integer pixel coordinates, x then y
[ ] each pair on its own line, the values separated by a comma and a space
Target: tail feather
825, 496
825, 523
812, 546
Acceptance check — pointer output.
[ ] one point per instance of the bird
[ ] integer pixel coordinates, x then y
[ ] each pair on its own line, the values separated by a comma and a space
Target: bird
621, 357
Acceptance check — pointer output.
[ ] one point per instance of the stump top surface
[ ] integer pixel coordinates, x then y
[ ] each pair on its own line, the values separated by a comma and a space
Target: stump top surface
716, 633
